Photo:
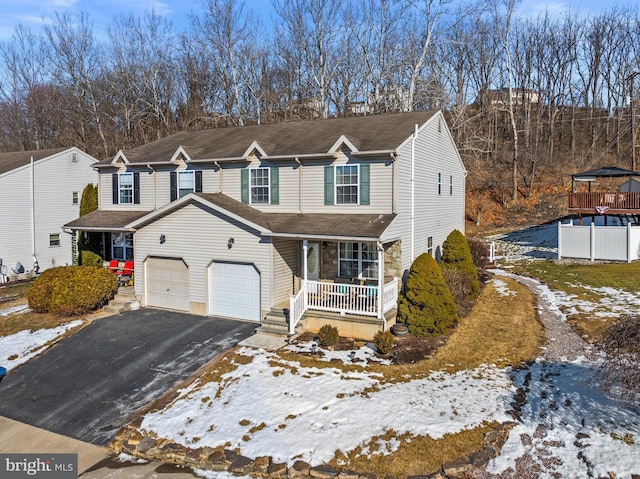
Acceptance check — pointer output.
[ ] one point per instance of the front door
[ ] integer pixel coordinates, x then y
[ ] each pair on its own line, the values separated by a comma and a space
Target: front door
313, 261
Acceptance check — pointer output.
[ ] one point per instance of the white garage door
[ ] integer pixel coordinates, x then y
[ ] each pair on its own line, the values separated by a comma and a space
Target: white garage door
235, 291
167, 283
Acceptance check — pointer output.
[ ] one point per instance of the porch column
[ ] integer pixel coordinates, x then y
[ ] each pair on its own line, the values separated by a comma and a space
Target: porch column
380, 281
305, 250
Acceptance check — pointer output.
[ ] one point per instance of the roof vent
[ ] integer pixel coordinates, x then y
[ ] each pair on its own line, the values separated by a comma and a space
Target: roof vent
74, 157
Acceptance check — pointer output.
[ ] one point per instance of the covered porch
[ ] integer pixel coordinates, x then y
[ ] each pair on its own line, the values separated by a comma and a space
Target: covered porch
357, 283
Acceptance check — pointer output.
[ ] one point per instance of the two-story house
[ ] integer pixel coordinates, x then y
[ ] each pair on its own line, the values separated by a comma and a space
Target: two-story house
320, 217
40, 191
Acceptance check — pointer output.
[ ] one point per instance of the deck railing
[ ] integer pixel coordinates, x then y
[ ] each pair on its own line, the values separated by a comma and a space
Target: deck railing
611, 200
341, 298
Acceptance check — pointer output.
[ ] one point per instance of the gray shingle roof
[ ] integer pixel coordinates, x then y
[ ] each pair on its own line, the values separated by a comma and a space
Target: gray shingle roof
367, 133
16, 159
104, 220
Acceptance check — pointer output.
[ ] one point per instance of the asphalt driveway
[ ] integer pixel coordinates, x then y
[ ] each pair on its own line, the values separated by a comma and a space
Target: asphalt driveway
93, 382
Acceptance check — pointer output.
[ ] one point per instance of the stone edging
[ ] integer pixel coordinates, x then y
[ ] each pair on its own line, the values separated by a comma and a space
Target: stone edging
131, 440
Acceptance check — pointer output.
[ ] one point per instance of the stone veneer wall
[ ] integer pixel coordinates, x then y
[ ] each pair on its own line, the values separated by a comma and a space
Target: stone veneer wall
392, 260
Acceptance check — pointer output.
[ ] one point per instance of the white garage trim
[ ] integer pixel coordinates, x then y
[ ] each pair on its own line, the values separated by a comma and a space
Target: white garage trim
166, 283
234, 290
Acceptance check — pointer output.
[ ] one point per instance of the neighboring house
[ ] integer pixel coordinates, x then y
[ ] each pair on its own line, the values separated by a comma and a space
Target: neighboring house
322, 217
519, 96
40, 191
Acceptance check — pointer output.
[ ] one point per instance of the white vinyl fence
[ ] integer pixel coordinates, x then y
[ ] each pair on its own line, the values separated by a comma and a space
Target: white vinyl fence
612, 243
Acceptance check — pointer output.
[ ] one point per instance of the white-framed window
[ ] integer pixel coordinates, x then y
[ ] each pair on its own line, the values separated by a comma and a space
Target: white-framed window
75, 198
450, 185
347, 185
125, 185
54, 239
186, 183
122, 246
430, 245
439, 183
357, 260
259, 181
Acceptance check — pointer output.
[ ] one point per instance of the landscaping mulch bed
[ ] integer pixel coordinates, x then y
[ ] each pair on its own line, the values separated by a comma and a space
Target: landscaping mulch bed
407, 350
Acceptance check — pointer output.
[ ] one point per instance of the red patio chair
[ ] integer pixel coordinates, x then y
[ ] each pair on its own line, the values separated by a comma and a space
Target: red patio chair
125, 275
113, 266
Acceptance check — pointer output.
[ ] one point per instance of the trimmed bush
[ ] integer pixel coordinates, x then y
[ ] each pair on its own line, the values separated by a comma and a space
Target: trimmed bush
89, 258
457, 255
72, 290
384, 342
425, 304
328, 335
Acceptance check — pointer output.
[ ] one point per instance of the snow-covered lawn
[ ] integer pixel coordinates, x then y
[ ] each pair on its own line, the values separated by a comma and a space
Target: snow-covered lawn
18, 348
274, 406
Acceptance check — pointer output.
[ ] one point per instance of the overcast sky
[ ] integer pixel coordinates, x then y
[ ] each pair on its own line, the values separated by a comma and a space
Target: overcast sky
30, 13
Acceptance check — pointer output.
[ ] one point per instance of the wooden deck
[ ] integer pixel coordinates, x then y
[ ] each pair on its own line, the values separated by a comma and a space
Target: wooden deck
610, 203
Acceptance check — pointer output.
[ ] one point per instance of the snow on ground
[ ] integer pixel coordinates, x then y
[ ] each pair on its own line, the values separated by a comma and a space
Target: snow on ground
568, 430
277, 407
22, 346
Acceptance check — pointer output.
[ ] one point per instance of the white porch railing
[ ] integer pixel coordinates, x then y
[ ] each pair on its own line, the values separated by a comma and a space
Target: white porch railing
341, 298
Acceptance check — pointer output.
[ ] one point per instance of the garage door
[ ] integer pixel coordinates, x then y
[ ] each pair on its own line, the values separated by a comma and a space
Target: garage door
235, 291
167, 283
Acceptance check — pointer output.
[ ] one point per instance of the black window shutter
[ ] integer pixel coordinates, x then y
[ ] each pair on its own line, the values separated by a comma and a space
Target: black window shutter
198, 174
174, 185
114, 189
136, 188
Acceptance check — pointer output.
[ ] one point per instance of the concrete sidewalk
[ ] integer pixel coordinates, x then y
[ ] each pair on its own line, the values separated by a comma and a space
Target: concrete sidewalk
16, 437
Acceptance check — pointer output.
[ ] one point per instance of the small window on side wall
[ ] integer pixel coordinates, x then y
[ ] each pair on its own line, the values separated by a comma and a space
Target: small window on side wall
430, 245
75, 198
54, 239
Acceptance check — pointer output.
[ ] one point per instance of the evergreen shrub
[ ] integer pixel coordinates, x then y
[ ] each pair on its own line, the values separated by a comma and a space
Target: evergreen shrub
72, 290
383, 341
426, 304
328, 335
89, 258
456, 254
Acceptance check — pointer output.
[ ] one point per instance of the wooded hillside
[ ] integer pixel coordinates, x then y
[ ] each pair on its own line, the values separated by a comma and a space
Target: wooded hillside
529, 100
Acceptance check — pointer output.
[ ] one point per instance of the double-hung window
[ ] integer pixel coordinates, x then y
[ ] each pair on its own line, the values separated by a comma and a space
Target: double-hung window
126, 188
186, 183
357, 260
125, 182
259, 178
347, 185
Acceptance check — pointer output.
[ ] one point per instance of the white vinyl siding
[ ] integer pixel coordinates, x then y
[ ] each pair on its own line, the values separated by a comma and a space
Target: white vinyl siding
55, 180
288, 185
380, 180
199, 246
435, 215
285, 264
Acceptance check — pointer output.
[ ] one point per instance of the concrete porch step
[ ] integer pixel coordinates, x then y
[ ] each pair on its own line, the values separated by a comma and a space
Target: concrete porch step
275, 323
124, 300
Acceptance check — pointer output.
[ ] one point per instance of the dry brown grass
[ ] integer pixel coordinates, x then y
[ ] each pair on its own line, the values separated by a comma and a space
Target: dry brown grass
500, 330
30, 321
416, 455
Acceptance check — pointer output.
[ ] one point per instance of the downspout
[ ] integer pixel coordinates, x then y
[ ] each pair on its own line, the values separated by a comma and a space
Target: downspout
413, 181
394, 186
380, 249
33, 210
297, 160
155, 192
